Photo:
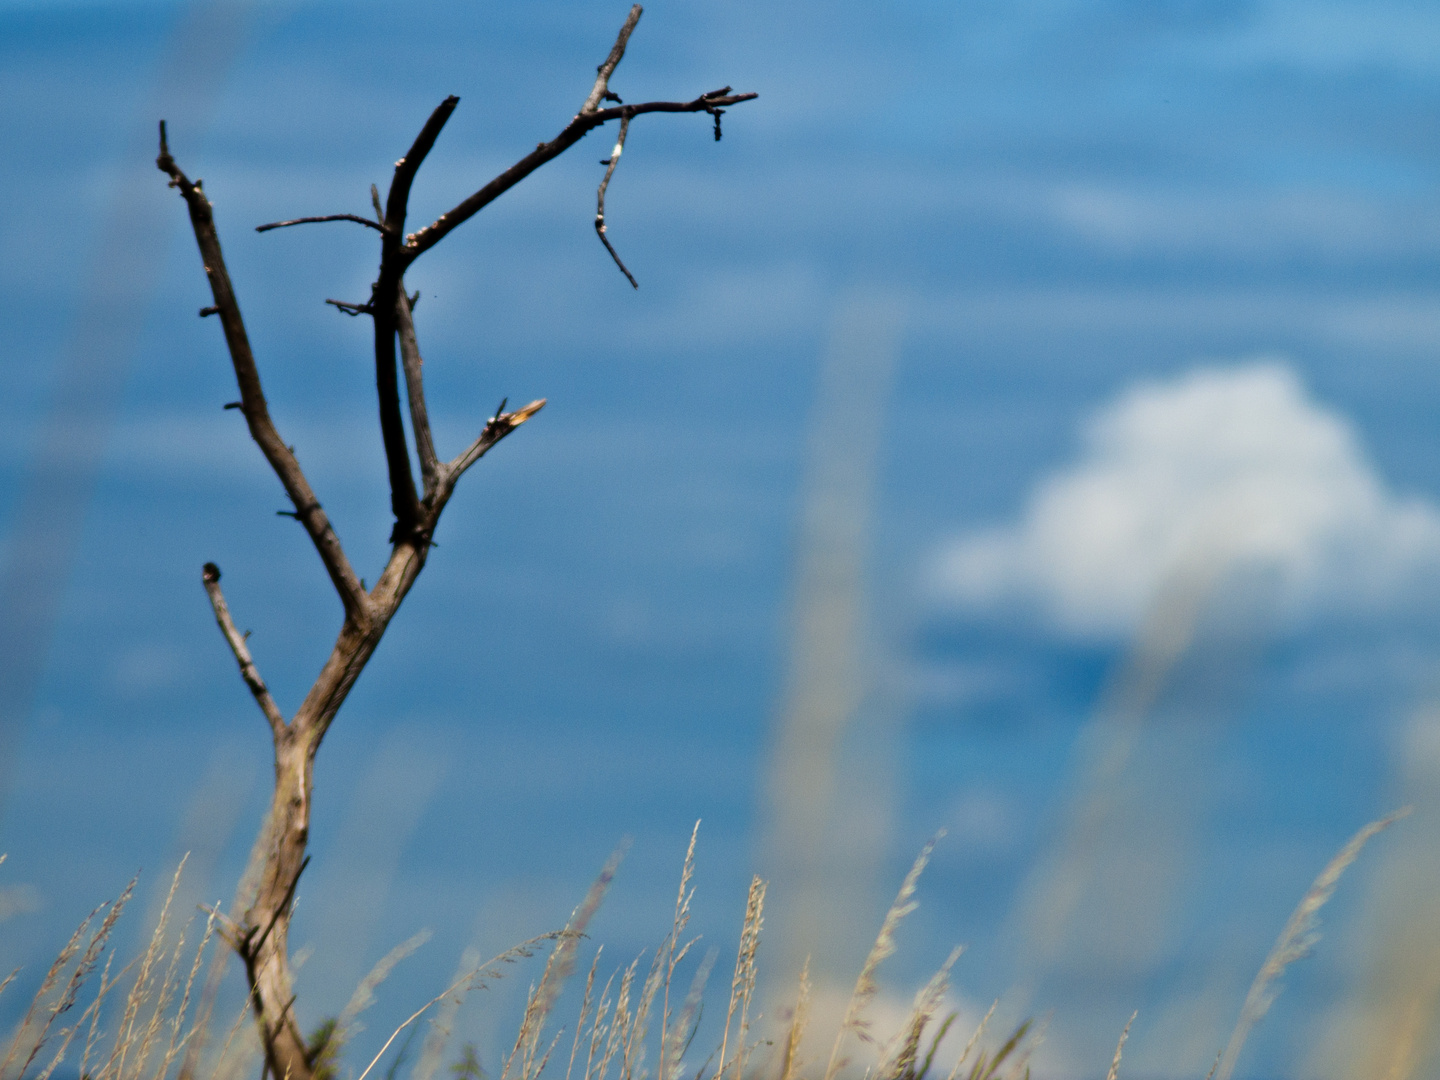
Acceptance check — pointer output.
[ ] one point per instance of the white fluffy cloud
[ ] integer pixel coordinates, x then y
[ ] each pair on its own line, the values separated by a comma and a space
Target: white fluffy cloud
1223, 467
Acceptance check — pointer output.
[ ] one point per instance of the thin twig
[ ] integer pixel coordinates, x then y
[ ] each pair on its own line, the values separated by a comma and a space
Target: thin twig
611, 162
415, 387
601, 90
321, 217
210, 575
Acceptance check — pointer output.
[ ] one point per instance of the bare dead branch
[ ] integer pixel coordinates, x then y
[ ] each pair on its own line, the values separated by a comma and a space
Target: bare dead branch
610, 164
259, 927
500, 425
351, 309
322, 217
396, 204
252, 396
415, 387
419, 242
601, 89
248, 671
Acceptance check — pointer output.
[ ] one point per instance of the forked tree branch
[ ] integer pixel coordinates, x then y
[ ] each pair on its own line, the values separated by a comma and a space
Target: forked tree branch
260, 931
422, 241
248, 671
252, 397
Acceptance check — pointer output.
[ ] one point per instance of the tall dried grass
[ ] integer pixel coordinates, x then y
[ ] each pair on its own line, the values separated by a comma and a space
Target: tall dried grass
155, 1028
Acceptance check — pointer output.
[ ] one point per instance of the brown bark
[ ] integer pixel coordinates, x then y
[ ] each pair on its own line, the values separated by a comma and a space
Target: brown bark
258, 925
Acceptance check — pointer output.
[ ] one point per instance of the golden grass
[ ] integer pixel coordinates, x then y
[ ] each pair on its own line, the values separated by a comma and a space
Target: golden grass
612, 1032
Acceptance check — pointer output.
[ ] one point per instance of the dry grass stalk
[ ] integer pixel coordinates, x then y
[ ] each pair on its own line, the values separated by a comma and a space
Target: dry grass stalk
619, 1025
346, 1024
106, 985
125, 1034
157, 1008
91, 1013
471, 980
865, 985
689, 1021
443, 1022
790, 1052
975, 1037
67, 997
559, 966
52, 977
200, 1030
239, 1025
674, 954
742, 983
585, 1001
985, 1066
902, 1062
176, 1043
1295, 941
1114, 1072
632, 1058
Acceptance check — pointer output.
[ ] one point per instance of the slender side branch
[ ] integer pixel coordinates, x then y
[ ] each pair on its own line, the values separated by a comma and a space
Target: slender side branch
415, 387
321, 217
248, 671
601, 90
418, 243
252, 397
610, 164
500, 425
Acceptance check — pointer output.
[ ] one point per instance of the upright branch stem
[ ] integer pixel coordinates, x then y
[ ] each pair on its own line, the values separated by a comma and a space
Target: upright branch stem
415, 387
601, 90
384, 303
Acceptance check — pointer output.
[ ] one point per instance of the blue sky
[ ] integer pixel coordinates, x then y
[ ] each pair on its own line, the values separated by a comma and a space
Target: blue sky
1067, 204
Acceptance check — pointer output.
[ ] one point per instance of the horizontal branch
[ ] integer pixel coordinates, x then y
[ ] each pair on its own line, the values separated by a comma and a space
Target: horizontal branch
349, 308
418, 243
322, 217
248, 671
252, 396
